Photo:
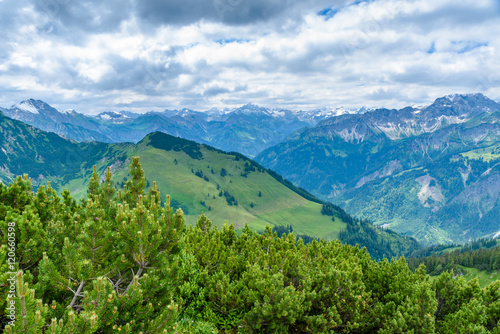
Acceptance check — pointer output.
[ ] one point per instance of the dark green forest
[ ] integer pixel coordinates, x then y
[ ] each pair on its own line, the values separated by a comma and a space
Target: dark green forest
379, 242
120, 261
483, 254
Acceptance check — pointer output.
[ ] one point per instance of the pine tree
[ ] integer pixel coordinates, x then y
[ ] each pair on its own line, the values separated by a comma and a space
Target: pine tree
111, 263
135, 187
121, 261
30, 313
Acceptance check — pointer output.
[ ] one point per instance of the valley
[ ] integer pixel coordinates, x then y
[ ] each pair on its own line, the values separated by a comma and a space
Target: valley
431, 173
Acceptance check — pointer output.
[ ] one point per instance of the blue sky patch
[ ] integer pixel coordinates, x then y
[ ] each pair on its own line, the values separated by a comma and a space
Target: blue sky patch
432, 49
468, 45
230, 40
328, 13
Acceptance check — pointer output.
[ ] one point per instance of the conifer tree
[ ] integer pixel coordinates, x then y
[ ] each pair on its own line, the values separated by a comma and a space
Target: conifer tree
111, 264
30, 313
93, 187
136, 185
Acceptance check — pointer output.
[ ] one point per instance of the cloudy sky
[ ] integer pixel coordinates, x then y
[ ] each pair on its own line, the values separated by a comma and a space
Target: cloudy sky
146, 55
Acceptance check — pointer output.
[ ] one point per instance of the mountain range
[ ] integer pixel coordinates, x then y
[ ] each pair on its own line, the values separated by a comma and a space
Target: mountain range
430, 172
247, 130
228, 187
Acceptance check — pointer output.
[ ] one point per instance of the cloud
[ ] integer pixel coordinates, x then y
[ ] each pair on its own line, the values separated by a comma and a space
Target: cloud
142, 55
231, 12
90, 16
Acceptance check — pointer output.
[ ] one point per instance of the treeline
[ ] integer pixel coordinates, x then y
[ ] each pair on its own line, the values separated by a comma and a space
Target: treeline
481, 254
177, 144
379, 243
299, 190
481, 243
282, 230
119, 261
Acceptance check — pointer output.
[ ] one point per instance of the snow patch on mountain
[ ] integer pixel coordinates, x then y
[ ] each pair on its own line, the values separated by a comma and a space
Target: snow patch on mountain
27, 106
457, 97
279, 112
113, 116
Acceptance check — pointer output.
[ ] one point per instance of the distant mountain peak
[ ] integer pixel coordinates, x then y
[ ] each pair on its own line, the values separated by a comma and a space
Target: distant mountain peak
36, 107
251, 108
28, 105
364, 110
455, 97
466, 104
116, 117
471, 99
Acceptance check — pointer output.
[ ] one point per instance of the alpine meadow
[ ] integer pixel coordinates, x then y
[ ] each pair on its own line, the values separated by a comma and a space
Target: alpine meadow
231, 166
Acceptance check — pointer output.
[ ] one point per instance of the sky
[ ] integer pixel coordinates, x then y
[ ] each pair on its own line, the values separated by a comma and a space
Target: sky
143, 55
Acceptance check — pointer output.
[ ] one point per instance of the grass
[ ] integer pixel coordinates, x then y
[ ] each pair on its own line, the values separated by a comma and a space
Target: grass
486, 153
172, 171
485, 278
306, 219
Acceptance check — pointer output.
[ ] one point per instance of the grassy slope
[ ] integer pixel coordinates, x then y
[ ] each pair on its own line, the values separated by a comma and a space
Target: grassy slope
485, 277
278, 205
486, 153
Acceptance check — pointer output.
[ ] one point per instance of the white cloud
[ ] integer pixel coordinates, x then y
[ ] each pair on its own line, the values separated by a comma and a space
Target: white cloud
379, 53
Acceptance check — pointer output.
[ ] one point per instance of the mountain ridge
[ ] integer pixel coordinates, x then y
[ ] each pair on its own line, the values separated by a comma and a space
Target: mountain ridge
247, 129
410, 182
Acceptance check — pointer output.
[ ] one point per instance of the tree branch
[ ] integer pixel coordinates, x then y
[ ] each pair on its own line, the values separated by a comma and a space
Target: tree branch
77, 294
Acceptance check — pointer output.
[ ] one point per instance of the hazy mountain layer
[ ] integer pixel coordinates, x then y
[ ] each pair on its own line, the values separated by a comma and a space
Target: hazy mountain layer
247, 130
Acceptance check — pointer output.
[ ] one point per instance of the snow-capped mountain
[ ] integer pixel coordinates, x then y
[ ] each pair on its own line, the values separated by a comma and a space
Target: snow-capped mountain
248, 129
410, 121
117, 117
28, 106
68, 123
36, 109
316, 115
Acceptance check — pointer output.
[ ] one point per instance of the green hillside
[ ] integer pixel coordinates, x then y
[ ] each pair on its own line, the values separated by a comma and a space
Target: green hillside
226, 186
479, 259
484, 277
199, 178
232, 188
194, 176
